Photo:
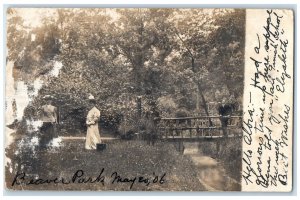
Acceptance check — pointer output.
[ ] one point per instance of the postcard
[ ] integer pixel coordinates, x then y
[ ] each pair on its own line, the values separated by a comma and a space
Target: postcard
149, 99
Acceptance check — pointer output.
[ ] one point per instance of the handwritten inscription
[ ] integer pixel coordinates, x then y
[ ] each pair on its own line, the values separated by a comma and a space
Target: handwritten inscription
267, 118
80, 177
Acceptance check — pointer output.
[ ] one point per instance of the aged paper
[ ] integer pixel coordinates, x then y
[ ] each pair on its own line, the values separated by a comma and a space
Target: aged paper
144, 99
268, 101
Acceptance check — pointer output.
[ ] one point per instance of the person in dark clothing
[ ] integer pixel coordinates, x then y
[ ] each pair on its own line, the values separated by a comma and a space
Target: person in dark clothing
48, 115
225, 111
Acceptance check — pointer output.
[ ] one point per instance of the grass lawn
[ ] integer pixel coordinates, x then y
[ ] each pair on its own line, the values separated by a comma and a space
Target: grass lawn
129, 159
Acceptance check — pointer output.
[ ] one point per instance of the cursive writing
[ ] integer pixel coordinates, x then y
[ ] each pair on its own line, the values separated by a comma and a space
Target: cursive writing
80, 177
266, 121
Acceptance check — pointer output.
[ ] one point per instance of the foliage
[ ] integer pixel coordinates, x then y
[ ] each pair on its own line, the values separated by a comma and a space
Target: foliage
189, 56
31, 48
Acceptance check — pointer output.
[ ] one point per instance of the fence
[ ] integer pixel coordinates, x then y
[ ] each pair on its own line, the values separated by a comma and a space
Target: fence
199, 127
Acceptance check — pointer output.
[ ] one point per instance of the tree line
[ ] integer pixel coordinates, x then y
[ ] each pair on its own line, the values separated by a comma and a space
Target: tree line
181, 59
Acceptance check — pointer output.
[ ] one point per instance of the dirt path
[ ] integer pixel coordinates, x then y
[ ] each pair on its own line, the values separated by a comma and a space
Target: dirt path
211, 173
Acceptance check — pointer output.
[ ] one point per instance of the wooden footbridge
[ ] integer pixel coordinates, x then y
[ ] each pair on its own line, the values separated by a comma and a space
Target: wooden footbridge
190, 129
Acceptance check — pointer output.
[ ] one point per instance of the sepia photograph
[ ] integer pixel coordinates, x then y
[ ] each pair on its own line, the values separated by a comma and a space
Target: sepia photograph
124, 99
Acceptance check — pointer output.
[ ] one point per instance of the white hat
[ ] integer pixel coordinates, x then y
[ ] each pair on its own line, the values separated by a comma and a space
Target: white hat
91, 97
47, 97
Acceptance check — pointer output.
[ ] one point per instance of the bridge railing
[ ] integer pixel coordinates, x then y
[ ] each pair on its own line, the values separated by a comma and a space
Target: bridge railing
199, 127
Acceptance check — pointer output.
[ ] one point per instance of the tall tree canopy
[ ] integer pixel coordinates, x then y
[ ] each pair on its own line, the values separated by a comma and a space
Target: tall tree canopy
182, 58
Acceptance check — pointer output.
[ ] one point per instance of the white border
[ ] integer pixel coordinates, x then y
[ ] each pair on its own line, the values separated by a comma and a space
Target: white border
148, 3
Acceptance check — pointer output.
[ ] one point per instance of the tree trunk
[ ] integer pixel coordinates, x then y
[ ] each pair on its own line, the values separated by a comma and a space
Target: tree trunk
199, 89
199, 92
197, 100
140, 55
204, 103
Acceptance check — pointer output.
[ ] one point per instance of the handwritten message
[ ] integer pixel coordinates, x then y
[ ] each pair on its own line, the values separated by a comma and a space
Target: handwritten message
80, 177
268, 101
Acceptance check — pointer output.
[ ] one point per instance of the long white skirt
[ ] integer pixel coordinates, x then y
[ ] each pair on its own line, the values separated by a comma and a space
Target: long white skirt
92, 137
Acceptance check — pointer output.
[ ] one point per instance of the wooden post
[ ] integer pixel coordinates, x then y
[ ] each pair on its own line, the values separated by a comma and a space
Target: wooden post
165, 126
139, 106
176, 127
218, 145
190, 126
181, 147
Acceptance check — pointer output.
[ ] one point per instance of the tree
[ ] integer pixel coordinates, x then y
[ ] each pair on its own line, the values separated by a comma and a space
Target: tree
185, 55
213, 40
32, 49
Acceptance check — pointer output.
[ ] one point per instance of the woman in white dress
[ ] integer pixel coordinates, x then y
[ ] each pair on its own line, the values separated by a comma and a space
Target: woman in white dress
93, 135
